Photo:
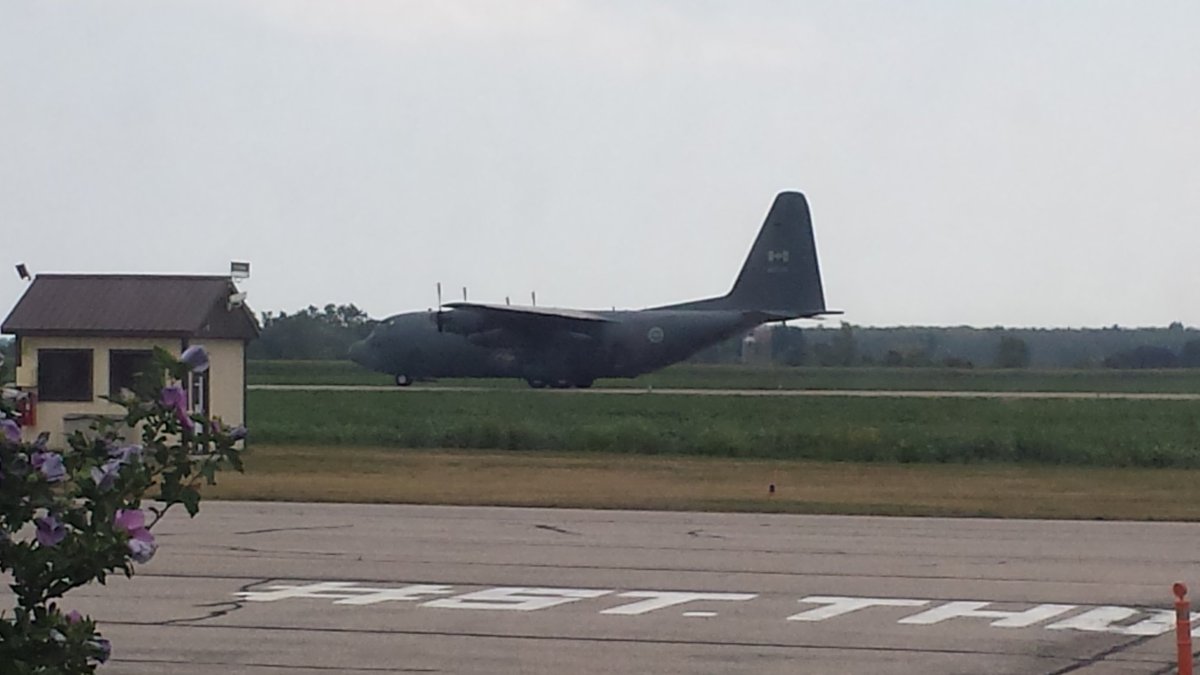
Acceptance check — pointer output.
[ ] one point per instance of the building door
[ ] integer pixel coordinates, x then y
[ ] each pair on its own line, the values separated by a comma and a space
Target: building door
198, 392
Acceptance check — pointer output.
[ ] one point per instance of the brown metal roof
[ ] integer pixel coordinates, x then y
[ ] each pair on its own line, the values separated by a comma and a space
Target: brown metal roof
126, 304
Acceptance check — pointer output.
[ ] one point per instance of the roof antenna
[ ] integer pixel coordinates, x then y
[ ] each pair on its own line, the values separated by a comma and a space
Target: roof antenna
533, 297
464, 293
506, 302
23, 271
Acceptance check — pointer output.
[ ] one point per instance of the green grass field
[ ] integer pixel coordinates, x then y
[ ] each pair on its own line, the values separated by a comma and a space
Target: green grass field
749, 377
1109, 433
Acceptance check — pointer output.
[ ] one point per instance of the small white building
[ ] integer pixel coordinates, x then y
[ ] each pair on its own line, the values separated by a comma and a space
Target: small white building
80, 337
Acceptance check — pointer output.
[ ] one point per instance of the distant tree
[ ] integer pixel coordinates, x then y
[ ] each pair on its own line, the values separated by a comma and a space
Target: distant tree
311, 333
955, 362
1143, 356
1012, 352
841, 350
788, 346
1189, 356
8, 355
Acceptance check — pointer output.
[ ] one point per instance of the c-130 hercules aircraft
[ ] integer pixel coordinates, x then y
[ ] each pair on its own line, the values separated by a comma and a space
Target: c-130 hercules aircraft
780, 280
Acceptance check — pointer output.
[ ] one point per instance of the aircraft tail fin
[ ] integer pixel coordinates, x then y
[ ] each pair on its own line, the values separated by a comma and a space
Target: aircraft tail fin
781, 276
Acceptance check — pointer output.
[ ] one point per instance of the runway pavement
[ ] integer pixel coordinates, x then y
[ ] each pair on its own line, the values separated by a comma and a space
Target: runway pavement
853, 393
268, 588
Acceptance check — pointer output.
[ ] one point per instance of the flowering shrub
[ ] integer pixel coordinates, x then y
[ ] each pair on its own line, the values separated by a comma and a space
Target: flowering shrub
71, 517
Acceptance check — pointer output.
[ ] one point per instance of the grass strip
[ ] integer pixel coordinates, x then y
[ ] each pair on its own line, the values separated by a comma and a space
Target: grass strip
697, 376
1115, 433
606, 481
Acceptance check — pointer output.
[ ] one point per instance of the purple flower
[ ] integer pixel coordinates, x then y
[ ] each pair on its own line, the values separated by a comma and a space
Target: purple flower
129, 520
105, 476
196, 358
50, 531
104, 647
126, 454
141, 541
175, 397
50, 464
142, 546
74, 616
12, 430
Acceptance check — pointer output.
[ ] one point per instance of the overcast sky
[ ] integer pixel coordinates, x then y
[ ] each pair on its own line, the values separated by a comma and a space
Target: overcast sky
1027, 163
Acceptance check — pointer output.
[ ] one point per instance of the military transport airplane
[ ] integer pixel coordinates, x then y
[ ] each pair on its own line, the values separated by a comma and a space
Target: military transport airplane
780, 280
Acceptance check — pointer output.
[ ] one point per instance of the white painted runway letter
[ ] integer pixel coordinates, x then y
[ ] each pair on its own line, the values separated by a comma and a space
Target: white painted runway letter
1159, 622
330, 590
415, 592
1098, 620
838, 605
515, 598
954, 610
660, 599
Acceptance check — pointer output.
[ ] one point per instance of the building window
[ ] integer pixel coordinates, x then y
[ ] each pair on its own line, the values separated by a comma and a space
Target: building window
124, 366
64, 374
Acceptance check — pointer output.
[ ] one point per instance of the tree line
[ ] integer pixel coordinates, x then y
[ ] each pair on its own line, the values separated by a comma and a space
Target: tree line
327, 332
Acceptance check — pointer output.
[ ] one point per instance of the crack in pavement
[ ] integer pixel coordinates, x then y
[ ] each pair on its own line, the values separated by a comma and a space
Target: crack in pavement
1096, 658
703, 534
263, 551
1171, 668
289, 666
293, 529
559, 530
223, 608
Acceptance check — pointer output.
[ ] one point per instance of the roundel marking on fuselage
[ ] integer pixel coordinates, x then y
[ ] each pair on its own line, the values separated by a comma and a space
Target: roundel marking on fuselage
655, 335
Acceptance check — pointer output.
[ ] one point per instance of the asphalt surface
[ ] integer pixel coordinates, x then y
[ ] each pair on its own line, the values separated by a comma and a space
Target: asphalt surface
308, 588
852, 393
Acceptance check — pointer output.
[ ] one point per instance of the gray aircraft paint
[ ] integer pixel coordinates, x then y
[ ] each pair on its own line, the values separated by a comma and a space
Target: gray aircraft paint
780, 280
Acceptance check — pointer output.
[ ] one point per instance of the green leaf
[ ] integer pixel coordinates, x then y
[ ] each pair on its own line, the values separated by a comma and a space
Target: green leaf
190, 498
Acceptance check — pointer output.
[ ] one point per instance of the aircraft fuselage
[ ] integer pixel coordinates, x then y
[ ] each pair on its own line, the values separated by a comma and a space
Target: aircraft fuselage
628, 344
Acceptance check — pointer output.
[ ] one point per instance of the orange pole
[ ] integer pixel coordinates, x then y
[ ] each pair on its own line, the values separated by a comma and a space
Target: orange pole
1183, 629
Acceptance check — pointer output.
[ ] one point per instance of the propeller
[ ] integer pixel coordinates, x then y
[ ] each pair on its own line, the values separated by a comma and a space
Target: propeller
439, 309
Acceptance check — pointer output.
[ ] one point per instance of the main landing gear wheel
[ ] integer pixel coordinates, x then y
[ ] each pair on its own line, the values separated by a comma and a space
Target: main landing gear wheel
403, 380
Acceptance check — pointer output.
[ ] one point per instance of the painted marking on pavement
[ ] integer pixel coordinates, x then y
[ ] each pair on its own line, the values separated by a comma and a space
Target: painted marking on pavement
515, 598
1131, 621
660, 599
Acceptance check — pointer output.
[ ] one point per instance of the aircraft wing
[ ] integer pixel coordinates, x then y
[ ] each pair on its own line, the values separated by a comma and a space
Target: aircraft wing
508, 312
507, 325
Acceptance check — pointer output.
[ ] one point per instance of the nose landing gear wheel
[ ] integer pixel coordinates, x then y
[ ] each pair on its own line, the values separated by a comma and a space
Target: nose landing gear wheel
403, 380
